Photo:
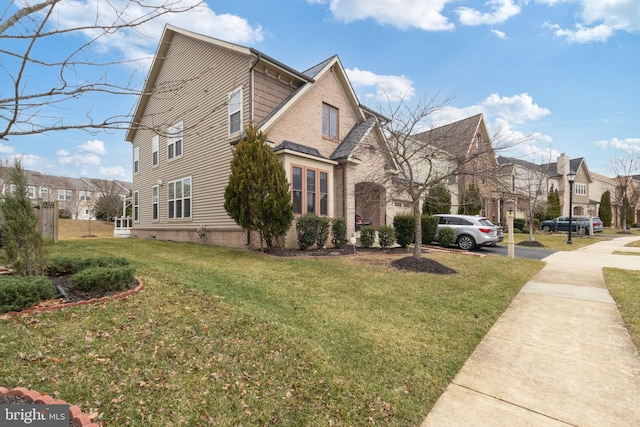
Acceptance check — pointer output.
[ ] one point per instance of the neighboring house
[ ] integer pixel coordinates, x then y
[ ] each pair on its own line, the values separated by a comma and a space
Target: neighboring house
76, 197
471, 160
200, 94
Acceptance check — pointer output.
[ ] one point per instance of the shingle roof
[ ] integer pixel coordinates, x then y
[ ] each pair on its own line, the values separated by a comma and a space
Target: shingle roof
454, 138
353, 138
313, 71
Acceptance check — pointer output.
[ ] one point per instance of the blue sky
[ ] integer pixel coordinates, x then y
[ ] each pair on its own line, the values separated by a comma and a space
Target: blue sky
562, 73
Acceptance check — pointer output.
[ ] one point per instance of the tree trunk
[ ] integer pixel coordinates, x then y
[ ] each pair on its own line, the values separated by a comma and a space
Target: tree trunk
417, 223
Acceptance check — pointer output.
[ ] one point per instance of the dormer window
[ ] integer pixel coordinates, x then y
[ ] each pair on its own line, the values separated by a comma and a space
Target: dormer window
478, 141
329, 121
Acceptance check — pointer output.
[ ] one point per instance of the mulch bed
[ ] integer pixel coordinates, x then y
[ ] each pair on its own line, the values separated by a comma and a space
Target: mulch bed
407, 263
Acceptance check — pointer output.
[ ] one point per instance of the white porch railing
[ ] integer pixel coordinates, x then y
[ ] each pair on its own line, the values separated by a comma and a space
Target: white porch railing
122, 226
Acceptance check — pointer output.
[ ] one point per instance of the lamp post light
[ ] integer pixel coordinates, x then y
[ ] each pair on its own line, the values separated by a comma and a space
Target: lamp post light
571, 176
510, 243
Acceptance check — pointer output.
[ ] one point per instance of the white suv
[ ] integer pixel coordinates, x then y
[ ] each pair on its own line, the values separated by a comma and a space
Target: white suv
471, 231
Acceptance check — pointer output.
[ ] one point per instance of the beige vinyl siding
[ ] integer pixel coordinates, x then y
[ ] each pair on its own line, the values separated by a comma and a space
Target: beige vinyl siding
202, 75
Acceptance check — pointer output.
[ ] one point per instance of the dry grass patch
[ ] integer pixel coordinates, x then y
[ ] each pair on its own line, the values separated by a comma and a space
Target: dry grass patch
624, 286
230, 337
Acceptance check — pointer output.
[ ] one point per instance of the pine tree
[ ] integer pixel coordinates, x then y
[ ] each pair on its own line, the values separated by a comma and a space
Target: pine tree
21, 238
257, 195
604, 211
437, 201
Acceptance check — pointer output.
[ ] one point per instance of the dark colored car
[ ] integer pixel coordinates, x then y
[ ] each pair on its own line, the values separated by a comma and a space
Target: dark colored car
598, 225
579, 224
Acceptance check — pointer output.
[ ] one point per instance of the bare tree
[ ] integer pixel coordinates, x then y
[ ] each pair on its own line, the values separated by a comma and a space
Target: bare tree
423, 155
38, 107
109, 200
627, 194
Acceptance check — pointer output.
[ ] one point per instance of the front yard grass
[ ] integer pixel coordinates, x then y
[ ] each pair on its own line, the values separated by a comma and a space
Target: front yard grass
624, 287
557, 242
229, 337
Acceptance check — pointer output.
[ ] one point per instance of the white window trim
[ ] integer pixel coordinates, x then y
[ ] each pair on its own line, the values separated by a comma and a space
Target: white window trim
136, 160
155, 149
175, 135
581, 189
169, 200
233, 109
155, 201
136, 206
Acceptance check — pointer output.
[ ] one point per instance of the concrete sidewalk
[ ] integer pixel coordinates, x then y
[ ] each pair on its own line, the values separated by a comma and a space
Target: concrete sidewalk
560, 355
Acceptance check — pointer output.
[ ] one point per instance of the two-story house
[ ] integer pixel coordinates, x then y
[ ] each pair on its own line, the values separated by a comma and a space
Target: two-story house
471, 159
200, 94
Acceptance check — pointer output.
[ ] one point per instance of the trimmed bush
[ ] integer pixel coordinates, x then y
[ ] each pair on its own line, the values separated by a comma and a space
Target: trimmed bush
518, 224
323, 231
339, 232
446, 236
307, 229
429, 228
18, 293
405, 229
386, 236
103, 279
60, 266
367, 236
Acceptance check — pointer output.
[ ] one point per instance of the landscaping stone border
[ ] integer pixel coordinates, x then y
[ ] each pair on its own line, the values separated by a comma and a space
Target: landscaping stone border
76, 414
77, 303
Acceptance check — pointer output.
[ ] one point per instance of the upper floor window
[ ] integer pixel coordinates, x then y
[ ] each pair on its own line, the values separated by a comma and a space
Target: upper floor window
31, 192
235, 111
309, 190
136, 159
581, 189
44, 192
174, 141
329, 121
64, 194
179, 198
154, 150
478, 141
85, 195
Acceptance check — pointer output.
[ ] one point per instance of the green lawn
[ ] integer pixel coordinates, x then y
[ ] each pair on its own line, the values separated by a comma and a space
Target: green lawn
557, 242
229, 337
624, 287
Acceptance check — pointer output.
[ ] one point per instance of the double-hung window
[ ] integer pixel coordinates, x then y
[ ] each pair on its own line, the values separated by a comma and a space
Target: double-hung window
235, 111
85, 196
154, 150
31, 192
64, 194
154, 202
179, 198
136, 206
310, 190
174, 141
329, 121
581, 189
136, 159
44, 192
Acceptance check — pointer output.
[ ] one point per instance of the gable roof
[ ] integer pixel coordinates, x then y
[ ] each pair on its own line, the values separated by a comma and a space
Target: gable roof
161, 54
454, 138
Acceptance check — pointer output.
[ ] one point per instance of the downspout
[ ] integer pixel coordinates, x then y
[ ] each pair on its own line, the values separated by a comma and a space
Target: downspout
344, 190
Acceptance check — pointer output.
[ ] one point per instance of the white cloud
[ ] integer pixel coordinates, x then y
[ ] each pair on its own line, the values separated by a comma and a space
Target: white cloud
516, 109
627, 144
95, 146
140, 42
116, 171
501, 10
6, 149
499, 34
600, 19
403, 14
79, 160
387, 88
62, 153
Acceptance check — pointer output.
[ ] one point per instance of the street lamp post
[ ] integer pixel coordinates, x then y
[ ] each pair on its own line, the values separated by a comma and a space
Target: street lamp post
510, 243
571, 176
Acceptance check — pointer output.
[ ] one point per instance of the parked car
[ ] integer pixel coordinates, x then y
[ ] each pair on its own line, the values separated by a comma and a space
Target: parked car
598, 225
579, 224
471, 231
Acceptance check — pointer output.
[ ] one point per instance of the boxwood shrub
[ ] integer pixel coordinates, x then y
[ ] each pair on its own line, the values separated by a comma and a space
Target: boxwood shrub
446, 236
367, 236
339, 232
18, 293
60, 266
386, 236
103, 279
307, 230
405, 229
429, 228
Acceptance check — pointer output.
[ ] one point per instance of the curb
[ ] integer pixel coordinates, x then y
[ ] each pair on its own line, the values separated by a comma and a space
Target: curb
36, 310
75, 413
